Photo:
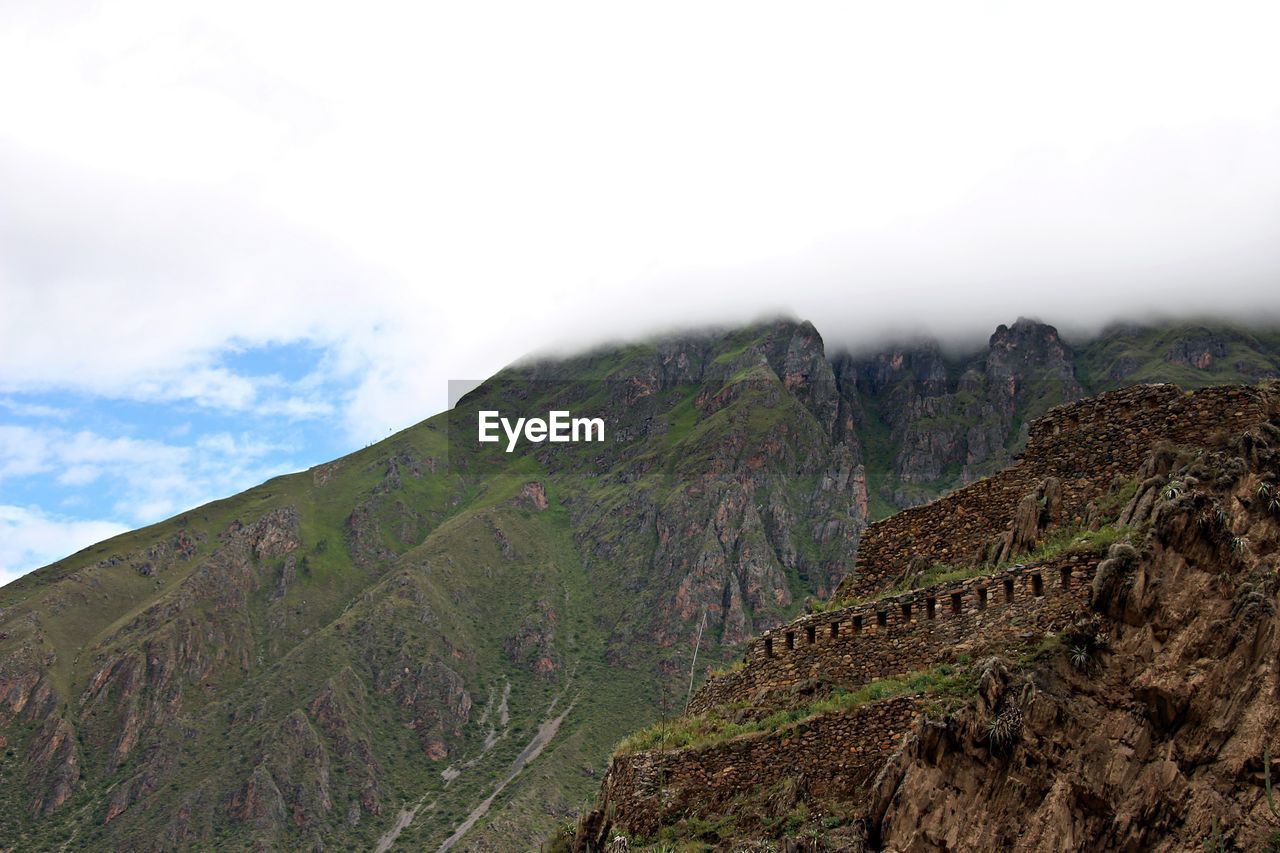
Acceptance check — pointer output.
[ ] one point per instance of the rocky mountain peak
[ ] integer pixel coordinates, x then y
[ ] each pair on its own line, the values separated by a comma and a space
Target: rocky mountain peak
921, 363
1029, 345
1199, 348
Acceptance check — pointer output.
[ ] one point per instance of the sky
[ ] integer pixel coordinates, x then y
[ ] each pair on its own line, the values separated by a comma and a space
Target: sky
239, 239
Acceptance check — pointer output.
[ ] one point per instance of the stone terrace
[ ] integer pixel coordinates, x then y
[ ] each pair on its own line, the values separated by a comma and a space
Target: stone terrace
910, 631
832, 756
1086, 445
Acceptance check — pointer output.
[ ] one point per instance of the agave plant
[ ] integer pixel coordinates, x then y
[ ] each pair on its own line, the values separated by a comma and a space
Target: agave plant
1081, 657
1264, 489
996, 733
1239, 543
1003, 728
1172, 491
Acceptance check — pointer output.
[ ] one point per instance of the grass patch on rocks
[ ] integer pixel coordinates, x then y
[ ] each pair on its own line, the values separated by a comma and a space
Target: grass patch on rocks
712, 727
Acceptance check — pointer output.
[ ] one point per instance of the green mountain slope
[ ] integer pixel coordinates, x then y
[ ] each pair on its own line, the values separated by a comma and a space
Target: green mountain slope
1190, 355
309, 662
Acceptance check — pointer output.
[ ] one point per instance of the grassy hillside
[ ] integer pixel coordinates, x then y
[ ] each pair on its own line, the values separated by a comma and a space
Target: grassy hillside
390, 634
1189, 355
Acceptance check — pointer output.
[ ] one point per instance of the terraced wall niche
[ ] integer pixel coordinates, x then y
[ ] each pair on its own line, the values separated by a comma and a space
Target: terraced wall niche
911, 631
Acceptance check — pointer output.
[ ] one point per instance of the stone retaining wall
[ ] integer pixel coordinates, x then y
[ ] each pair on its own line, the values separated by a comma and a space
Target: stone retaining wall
1086, 445
832, 756
911, 631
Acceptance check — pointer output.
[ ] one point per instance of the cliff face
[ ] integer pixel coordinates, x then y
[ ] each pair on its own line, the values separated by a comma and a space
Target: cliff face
1074, 456
933, 420
1158, 744
1116, 692
945, 421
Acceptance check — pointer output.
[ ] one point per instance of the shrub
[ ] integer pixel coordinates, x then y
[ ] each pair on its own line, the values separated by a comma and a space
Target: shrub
1113, 572
730, 669
797, 818
1214, 843
1266, 775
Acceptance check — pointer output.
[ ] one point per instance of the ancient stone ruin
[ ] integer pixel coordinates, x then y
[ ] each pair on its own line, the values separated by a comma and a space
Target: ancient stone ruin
887, 619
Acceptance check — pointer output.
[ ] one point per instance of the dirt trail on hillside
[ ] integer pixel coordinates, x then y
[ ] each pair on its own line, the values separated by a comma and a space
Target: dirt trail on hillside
402, 822
532, 750
546, 731
452, 772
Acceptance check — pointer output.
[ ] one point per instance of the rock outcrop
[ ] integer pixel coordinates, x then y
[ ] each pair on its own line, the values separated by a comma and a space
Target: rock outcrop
1160, 742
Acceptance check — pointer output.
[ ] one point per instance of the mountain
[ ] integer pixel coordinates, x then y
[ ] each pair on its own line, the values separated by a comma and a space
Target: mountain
933, 420
379, 641
434, 638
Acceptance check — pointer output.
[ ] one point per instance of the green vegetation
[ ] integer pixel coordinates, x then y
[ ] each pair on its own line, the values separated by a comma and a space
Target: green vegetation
1266, 775
1073, 540
878, 453
1065, 541
1214, 842
938, 573
957, 406
1132, 355
1114, 503
700, 729
721, 671
426, 586
1002, 730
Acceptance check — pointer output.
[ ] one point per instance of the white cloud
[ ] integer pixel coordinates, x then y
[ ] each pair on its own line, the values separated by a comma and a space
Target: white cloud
23, 451
80, 475
34, 410
30, 538
426, 192
294, 408
148, 479
429, 191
